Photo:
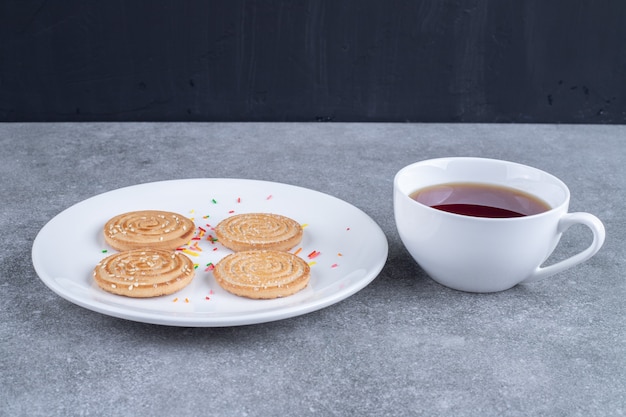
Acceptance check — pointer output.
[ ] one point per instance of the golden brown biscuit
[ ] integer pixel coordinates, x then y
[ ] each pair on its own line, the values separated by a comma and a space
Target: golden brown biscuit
258, 231
262, 274
148, 228
144, 273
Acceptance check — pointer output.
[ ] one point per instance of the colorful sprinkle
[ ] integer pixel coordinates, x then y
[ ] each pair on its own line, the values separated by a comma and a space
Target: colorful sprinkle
239, 199
175, 300
312, 263
334, 265
214, 201
188, 252
304, 225
196, 247
207, 298
313, 254
104, 250
298, 251
206, 216
231, 211
269, 197
339, 254
195, 266
187, 300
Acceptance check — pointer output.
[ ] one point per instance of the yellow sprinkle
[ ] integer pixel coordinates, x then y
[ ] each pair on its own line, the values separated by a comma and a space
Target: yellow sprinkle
312, 263
192, 211
188, 252
305, 225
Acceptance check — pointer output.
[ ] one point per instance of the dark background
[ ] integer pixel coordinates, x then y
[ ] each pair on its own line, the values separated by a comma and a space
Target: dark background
559, 61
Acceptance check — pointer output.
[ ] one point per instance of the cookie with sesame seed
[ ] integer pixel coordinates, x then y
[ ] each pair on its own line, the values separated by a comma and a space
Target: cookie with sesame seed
148, 229
262, 274
142, 273
259, 231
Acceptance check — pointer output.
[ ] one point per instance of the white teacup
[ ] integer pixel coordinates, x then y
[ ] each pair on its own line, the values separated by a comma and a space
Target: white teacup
479, 254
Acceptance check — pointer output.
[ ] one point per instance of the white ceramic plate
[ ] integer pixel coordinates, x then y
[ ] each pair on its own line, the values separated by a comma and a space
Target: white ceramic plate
352, 250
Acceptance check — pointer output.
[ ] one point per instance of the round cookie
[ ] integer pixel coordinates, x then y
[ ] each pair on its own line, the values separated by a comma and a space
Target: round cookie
142, 273
258, 231
148, 229
262, 274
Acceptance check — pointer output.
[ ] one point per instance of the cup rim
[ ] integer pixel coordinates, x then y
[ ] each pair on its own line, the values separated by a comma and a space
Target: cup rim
488, 160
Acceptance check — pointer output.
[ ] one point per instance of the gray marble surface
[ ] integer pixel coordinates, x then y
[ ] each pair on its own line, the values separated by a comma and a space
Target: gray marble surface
402, 346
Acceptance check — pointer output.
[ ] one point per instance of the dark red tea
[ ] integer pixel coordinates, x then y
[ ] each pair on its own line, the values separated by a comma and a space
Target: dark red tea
480, 200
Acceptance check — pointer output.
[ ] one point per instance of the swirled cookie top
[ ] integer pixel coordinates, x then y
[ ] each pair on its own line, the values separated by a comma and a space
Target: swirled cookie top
148, 228
262, 274
259, 231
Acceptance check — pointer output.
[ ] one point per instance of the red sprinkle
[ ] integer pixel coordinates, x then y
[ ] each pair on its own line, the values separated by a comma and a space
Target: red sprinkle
269, 197
334, 266
313, 254
239, 199
231, 211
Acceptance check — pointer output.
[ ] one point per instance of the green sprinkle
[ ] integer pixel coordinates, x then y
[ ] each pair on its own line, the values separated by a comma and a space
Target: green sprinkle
214, 201
104, 251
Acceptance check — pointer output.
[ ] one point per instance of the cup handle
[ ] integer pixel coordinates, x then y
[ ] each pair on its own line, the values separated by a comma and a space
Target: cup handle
568, 220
